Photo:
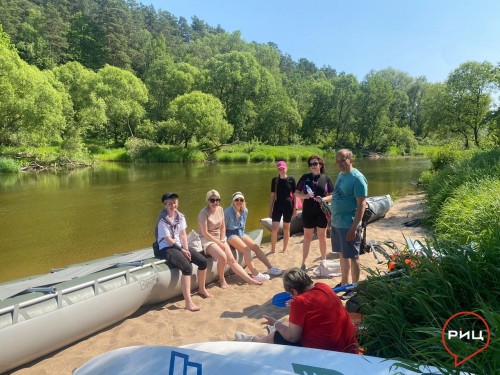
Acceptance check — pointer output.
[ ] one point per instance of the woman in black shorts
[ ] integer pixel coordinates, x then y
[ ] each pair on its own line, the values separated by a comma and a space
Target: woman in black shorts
282, 204
320, 188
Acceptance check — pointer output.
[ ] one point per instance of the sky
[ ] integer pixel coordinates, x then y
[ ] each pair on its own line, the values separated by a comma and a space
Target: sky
427, 38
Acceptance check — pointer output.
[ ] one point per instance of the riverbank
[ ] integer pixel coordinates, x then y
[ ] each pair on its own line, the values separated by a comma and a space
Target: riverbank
238, 308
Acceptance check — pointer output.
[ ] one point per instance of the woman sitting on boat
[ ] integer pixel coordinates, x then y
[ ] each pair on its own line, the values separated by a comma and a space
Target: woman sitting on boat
236, 216
173, 247
212, 231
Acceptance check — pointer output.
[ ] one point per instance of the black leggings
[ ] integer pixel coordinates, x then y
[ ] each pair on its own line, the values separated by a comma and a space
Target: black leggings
280, 340
177, 259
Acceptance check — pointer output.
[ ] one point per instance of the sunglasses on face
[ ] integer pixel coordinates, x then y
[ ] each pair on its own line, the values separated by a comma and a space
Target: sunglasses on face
213, 200
314, 164
239, 200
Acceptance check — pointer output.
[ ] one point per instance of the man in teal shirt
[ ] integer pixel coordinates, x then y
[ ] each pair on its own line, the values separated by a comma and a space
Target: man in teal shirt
348, 207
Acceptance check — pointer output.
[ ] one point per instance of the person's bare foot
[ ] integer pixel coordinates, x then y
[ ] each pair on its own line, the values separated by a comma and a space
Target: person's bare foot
204, 293
256, 282
284, 251
224, 285
191, 307
271, 252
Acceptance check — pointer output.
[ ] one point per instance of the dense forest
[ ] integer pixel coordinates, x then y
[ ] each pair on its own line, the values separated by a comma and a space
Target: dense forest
102, 72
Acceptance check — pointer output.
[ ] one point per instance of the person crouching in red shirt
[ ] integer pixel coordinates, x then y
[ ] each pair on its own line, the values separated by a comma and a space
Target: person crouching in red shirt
317, 318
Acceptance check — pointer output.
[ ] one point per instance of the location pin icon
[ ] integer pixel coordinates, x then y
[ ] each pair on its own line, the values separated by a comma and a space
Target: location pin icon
448, 334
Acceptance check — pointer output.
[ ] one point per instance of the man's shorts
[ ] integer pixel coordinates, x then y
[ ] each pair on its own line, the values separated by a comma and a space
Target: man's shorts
349, 249
314, 218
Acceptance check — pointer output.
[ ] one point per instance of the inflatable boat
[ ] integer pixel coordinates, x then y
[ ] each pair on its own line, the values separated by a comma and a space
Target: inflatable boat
243, 358
379, 204
44, 313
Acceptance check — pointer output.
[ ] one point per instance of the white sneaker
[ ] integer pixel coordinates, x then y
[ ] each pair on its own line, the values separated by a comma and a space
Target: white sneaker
241, 336
261, 277
274, 271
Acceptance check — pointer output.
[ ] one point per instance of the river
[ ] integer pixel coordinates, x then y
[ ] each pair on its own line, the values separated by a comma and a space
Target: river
50, 220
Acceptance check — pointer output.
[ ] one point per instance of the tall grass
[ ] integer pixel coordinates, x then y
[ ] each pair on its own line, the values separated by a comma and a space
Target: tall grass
471, 213
441, 184
8, 165
255, 152
403, 318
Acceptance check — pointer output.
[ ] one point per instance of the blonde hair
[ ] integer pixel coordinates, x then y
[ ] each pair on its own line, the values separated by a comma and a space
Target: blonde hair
243, 204
210, 193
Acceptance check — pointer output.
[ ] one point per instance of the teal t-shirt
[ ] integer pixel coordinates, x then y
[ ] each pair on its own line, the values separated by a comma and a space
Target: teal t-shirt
347, 188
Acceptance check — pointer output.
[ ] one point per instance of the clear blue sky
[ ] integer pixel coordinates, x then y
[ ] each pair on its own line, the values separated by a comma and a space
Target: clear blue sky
420, 37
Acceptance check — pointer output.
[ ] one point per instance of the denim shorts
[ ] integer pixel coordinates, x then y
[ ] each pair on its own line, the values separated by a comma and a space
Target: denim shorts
234, 232
349, 249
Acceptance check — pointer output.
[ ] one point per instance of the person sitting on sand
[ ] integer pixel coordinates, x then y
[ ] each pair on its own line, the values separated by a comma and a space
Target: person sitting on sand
317, 318
170, 233
236, 216
212, 231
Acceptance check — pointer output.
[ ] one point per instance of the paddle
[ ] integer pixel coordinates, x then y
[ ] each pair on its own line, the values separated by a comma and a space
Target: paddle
280, 299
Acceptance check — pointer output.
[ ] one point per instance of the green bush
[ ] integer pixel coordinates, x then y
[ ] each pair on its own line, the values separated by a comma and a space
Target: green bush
471, 214
442, 157
9, 166
403, 317
236, 157
257, 157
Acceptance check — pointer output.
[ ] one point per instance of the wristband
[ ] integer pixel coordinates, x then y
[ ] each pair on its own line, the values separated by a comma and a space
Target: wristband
276, 322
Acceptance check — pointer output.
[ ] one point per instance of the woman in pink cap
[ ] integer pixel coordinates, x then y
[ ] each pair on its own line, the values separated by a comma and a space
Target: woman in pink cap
282, 205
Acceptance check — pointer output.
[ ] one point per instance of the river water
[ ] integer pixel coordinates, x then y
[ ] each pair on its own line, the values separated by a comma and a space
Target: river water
51, 220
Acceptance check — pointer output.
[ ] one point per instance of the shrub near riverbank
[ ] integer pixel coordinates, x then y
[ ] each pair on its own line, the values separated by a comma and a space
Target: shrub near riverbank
140, 150
404, 316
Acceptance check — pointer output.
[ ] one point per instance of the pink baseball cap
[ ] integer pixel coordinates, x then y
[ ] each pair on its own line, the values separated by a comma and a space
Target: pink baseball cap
281, 164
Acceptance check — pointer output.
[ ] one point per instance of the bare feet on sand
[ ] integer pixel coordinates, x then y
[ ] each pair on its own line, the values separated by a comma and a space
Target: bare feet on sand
223, 285
191, 307
204, 293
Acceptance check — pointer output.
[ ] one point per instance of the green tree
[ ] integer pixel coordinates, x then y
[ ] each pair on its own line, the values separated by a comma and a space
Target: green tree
278, 121
235, 78
114, 19
86, 41
89, 116
166, 80
198, 116
31, 109
124, 95
373, 111
469, 87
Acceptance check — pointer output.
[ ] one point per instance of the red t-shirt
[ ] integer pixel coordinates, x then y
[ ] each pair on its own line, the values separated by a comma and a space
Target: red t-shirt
324, 320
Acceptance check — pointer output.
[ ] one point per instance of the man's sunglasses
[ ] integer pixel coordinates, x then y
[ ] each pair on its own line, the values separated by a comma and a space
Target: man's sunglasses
314, 164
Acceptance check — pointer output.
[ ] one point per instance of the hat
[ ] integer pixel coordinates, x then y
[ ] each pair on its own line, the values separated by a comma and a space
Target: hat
281, 164
237, 195
169, 195
212, 192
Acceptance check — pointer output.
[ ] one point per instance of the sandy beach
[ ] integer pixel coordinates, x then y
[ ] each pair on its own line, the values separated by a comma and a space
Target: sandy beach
238, 308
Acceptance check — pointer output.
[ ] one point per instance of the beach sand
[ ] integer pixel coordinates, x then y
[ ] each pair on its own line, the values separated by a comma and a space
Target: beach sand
238, 308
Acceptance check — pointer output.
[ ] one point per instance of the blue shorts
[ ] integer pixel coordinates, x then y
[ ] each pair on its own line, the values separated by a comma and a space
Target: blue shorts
349, 249
234, 232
